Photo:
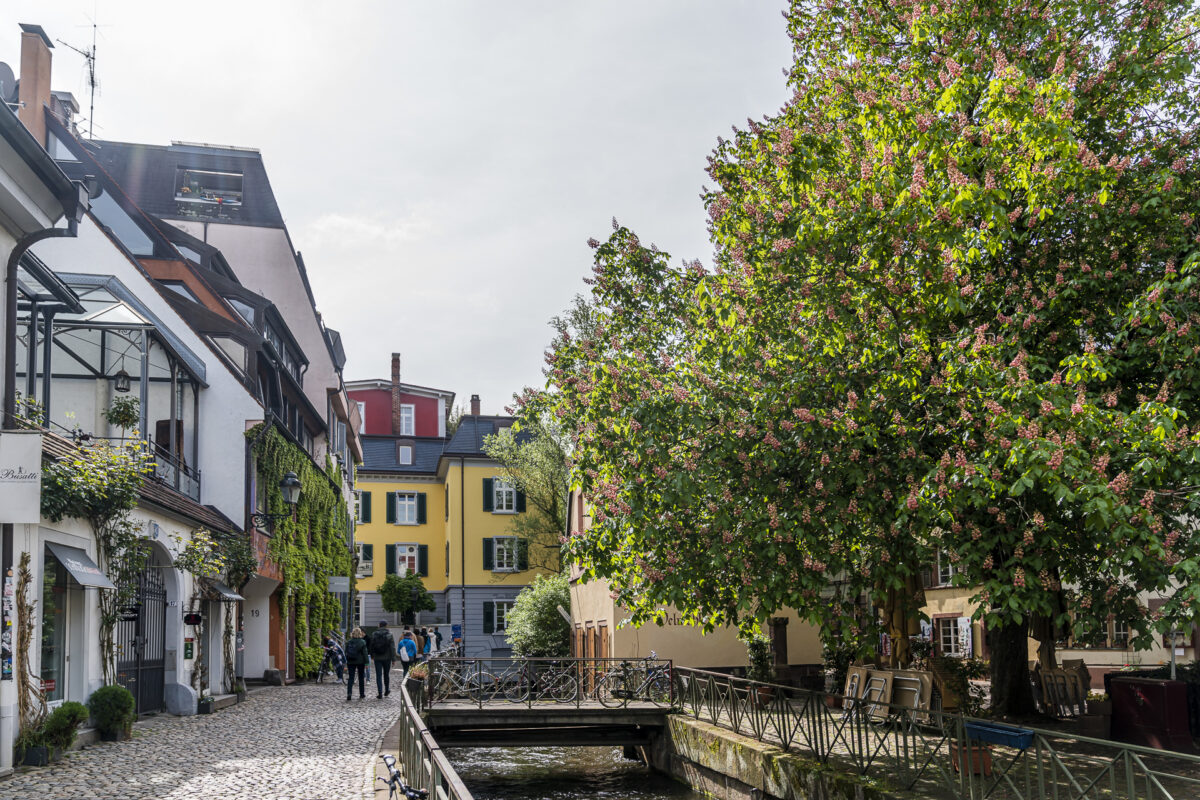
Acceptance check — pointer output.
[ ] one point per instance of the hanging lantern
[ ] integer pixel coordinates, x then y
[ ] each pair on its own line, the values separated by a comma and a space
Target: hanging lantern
121, 381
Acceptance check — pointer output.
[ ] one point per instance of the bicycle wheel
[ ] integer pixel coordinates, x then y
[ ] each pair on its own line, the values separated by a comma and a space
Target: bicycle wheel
561, 687
611, 691
322, 670
658, 690
516, 690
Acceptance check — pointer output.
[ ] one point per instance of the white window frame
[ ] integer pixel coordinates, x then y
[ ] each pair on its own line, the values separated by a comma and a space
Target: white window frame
1118, 628
358, 507
360, 609
362, 416
505, 551
408, 419
950, 637
401, 451
407, 558
501, 609
504, 496
408, 502
366, 566
945, 570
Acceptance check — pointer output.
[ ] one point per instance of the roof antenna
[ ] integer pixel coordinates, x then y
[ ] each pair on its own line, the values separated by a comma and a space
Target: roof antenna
90, 57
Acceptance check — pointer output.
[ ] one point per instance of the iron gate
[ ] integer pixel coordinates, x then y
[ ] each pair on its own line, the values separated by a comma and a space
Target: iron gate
141, 641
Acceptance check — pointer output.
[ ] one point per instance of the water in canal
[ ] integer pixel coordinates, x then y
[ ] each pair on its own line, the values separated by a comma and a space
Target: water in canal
561, 773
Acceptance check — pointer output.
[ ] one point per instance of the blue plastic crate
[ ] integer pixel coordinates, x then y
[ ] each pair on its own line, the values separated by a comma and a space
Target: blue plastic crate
1007, 735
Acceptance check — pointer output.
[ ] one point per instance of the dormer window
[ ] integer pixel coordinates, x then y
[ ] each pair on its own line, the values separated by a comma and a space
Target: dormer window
208, 186
404, 454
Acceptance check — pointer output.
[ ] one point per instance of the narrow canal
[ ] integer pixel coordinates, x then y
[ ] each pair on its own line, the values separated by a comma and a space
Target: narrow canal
561, 773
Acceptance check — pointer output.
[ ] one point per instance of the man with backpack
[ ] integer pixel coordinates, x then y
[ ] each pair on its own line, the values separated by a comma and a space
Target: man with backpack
356, 661
383, 645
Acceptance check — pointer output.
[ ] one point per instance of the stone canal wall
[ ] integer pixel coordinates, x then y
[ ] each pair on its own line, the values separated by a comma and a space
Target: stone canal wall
728, 766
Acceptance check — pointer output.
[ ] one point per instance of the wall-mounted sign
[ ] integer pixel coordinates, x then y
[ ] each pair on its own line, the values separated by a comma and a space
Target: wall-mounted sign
188, 645
192, 619
20, 476
339, 584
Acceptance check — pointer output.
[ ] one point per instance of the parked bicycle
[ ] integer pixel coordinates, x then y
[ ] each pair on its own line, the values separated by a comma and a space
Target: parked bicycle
553, 681
646, 679
333, 661
396, 785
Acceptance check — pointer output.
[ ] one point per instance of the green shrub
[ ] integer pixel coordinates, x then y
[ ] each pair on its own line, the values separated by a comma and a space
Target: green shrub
308, 660
62, 725
111, 708
761, 660
535, 628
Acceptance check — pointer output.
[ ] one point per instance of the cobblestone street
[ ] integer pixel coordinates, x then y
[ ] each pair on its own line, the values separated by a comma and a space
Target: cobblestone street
292, 743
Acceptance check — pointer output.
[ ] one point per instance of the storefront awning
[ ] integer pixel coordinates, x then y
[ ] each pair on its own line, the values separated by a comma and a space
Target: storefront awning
80, 565
223, 592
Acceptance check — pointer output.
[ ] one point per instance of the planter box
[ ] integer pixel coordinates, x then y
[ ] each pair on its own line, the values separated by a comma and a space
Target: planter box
1007, 735
113, 736
977, 759
205, 706
38, 756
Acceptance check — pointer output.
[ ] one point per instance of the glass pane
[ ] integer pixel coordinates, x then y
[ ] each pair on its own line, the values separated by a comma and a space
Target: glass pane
54, 628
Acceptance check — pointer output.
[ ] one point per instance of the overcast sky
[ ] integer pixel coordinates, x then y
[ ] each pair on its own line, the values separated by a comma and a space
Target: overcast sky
440, 164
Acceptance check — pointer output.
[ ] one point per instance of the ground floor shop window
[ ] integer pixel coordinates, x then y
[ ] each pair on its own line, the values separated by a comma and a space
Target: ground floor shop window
55, 613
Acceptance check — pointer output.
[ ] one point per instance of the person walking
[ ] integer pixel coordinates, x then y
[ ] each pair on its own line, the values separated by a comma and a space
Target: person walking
407, 651
419, 637
437, 635
428, 648
356, 661
383, 644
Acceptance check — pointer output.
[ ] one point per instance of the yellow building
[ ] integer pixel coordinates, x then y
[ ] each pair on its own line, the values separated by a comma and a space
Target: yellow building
440, 507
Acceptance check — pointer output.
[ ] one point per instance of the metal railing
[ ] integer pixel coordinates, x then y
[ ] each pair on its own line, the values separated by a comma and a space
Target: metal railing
609, 682
177, 475
422, 762
933, 752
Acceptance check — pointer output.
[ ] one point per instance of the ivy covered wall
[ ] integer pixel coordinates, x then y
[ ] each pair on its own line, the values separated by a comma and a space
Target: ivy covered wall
310, 545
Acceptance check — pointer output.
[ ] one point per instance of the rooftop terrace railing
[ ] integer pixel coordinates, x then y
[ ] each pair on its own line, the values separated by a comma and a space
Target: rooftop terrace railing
936, 753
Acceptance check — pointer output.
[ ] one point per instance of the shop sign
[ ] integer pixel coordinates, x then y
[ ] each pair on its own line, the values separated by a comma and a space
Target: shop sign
49, 685
20, 477
188, 645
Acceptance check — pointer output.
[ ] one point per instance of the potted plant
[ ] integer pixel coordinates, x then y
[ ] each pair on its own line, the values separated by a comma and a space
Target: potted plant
239, 688
1097, 719
206, 703
62, 726
32, 748
837, 656
761, 666
419, 672
112, 710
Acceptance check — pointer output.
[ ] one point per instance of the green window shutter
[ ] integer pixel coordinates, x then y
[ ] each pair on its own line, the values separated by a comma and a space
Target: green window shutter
368, 552
421, 508
391, 558
489, 553
488, 495
489, 614
391, 508
520, 501
446, 493
365, 505
423, 559
522, 554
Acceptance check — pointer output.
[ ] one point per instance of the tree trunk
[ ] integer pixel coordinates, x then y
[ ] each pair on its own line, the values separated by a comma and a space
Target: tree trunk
1011, 692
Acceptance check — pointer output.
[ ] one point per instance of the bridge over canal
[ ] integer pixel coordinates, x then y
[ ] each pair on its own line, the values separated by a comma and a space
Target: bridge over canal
797, 738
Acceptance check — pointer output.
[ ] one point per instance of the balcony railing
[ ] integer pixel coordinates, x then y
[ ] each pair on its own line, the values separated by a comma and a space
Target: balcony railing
178, 476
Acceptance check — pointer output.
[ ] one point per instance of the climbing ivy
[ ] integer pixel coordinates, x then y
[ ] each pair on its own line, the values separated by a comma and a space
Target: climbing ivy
309, 545
100, 483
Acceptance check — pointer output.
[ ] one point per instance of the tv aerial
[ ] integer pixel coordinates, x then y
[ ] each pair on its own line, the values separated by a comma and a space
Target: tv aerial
89, 56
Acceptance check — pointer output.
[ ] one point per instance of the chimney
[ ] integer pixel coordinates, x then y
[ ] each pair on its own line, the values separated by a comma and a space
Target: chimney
475, 405
34, 93
395, 394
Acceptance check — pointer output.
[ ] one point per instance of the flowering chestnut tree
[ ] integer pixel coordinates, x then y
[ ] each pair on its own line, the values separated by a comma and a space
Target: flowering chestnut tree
954, 310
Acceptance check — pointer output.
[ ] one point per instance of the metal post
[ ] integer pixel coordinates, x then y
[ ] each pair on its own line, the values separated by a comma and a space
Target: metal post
144, 385
47, 363
31, 351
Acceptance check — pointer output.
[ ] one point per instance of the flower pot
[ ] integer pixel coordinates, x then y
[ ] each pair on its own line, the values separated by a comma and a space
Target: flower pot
978, 758
205, 705
36, 756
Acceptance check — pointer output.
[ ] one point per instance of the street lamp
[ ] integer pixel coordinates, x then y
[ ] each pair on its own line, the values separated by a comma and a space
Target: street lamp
290, 488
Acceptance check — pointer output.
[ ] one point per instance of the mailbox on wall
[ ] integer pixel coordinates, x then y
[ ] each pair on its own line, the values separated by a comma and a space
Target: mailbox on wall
1151, 712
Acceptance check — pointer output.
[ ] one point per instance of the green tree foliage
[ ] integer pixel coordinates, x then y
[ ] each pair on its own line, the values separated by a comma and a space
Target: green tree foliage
954, 309
533, 456
397, 594
535, 628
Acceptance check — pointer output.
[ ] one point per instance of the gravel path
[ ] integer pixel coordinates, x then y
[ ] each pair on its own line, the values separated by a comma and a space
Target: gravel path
283, 743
